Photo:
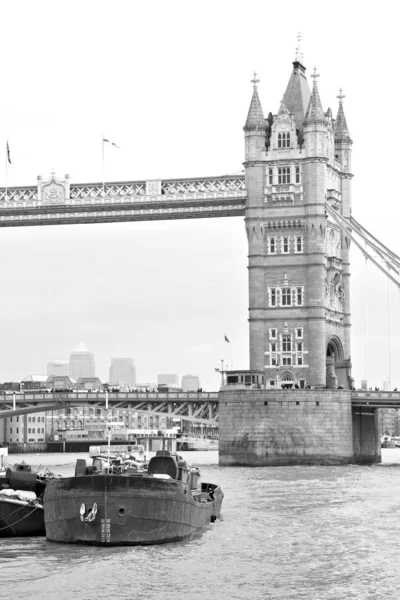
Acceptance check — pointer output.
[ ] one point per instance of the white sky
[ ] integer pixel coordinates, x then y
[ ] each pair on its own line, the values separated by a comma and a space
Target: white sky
170, 83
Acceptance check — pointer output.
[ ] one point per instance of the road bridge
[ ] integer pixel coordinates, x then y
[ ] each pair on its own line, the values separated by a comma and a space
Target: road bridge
196, 407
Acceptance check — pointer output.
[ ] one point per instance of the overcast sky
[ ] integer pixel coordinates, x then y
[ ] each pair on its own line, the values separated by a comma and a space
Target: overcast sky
169, 82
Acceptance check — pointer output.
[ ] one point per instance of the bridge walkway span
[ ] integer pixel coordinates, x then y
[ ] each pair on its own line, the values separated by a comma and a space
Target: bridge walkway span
197, 407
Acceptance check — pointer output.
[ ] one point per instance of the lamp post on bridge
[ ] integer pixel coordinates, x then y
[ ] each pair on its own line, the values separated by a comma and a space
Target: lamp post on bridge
222, 371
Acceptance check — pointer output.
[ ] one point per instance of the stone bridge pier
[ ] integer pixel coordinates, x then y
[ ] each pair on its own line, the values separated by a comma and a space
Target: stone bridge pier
296, 427
367, 429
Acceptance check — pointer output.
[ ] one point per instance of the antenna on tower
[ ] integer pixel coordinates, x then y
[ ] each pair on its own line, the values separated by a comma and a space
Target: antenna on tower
299, 53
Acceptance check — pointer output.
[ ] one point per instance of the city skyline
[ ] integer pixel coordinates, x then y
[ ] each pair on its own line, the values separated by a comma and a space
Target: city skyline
60, 366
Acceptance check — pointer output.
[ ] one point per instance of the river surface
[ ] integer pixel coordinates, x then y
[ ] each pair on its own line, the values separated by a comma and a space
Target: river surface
292, 533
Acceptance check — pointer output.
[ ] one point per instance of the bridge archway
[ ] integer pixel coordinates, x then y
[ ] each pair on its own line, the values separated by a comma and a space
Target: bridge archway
287, 380
334, 359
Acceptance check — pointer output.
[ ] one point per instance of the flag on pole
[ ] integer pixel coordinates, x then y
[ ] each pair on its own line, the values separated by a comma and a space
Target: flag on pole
226, 339
112, 143
8, 153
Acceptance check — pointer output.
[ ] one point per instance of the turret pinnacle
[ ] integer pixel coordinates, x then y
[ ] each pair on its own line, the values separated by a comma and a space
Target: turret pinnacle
315, 111
255, 118
341, 129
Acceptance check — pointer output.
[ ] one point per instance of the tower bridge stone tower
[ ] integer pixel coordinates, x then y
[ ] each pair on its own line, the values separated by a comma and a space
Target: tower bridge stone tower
299, 297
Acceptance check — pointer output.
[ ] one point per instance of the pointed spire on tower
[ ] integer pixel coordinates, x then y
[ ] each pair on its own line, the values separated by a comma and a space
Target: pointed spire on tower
297, 94
341, 129
255, 117
315, 111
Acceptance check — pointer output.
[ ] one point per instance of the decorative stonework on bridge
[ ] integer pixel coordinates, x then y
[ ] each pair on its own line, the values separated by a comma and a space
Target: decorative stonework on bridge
57, 201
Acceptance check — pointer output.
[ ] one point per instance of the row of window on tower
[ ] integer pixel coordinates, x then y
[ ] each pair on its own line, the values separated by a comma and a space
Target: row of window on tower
286, 296
284, 140
287, 243
273, 333
286, 345
286, 353
286, 361
283, 175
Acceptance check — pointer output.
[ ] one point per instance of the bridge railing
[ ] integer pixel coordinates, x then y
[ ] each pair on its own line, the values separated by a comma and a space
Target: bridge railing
129, 192
375, 394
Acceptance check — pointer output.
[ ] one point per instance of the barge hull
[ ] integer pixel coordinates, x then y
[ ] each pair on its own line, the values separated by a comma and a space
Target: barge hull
134, 510
19, 519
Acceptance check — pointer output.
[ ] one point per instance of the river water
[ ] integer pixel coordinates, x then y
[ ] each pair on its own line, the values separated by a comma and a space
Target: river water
292, 533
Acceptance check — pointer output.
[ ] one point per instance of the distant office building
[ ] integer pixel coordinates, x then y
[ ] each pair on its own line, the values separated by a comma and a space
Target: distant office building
92, 384
60, 382
168, 379
122, 370
58, 367
81, 363
34, 382
190, 383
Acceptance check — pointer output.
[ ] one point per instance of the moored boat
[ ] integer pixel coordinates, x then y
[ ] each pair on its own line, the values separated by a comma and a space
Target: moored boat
21, 501
114, 503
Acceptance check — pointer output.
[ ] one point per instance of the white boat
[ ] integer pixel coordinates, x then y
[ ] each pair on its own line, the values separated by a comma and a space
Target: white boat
3, 464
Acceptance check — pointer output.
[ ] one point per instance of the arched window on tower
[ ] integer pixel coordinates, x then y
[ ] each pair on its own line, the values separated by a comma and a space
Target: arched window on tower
283, 175
286, 297
331, 243
299, 296
285, 245
286, 343
288, 140
299, 243
279, 140
297, 174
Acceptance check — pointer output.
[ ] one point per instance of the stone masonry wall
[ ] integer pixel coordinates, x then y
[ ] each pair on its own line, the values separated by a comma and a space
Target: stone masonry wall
285, 427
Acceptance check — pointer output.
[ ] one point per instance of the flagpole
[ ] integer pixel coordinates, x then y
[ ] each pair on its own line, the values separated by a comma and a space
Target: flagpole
102, 138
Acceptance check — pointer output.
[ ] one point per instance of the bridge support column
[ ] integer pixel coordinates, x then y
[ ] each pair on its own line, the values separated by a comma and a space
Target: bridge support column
366, 435
285, 427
